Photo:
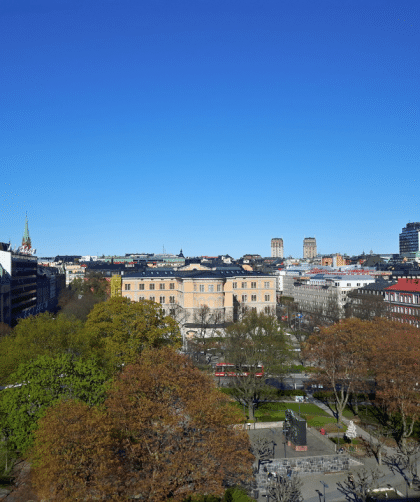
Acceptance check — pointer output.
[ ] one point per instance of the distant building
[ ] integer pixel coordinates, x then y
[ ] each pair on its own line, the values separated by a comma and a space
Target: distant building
309, 247
277, 250
20, 280
403, 300
410, 240
335, 260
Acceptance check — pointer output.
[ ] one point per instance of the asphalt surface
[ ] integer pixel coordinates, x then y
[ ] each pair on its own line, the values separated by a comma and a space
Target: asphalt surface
316, 485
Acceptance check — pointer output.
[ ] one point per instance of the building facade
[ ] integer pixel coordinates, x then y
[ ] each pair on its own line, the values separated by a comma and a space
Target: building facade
403, 301
225, 293
321, 292
410, 240
277, 250
309, 247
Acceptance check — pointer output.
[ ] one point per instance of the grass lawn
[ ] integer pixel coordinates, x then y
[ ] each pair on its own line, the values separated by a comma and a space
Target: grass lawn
274, 412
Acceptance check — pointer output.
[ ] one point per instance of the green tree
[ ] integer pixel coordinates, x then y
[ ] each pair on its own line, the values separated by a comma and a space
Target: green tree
44, 334
257, 339
39, 384
120, 329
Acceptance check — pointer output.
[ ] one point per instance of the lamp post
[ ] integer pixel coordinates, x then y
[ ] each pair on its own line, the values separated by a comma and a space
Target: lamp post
325, 486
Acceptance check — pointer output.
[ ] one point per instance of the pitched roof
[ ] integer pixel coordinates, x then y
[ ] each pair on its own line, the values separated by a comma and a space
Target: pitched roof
411, 285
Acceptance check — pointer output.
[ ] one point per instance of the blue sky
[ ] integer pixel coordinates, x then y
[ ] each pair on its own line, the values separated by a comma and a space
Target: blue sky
209, 125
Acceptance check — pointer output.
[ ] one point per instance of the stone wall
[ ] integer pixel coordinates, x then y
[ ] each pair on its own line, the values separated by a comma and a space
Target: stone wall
302, 465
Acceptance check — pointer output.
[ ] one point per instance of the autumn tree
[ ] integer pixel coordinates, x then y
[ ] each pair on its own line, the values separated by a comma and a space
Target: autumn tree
39, 384
118, 330
44, 334
257, 339
74, 456
397, 373
161, 438
341, 354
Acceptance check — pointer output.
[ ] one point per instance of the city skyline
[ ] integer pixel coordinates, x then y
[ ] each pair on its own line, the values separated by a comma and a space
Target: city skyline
208, 126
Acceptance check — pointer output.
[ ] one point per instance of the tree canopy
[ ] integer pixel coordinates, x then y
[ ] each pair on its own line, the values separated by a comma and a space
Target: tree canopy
39, 384
341, 353
44, 334
119, 330
257, 339
165, 433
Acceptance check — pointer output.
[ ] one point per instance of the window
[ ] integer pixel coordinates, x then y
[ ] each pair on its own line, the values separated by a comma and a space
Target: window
141, 298
162, 285
266, 285
151, 286
267, 310
253, 285
162, 299
171, 311
172, 285
172, 299
244, 285
219, 287
244, 298
358, 284
141, 285
267, 298
127, 287
348, 284
152, 298
234, 285
211, 288
253, 298
201, 288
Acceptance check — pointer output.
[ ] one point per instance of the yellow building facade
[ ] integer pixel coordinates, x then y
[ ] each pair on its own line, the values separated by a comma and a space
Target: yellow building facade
225, 292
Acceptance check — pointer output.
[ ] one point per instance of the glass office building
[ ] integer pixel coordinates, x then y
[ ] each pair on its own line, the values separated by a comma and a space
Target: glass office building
409, 239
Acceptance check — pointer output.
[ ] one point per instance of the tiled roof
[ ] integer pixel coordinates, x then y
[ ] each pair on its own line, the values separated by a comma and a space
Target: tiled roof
411, 285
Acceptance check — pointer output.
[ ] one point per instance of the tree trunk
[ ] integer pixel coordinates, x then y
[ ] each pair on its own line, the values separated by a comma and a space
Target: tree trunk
251, 410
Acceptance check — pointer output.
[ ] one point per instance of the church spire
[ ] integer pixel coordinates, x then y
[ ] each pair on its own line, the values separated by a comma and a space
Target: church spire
26, 241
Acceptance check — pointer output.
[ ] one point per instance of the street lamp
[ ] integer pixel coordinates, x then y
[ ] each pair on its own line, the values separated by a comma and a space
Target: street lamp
325, 486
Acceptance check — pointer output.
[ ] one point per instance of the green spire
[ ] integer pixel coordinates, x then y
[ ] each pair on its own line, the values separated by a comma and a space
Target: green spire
26, 241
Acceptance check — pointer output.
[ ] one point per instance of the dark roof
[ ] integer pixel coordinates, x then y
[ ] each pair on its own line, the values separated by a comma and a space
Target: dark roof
379, 285
195, 274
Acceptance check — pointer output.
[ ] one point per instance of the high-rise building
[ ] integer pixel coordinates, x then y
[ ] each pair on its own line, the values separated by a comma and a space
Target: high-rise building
277, 248
309, 247
410, 240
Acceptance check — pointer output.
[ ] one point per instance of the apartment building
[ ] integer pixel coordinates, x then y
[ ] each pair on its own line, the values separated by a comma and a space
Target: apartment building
403, 300
323, 291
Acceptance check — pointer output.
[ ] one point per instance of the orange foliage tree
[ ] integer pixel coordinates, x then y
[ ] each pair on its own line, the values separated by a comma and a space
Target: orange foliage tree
396, 365
166, 433
341, 355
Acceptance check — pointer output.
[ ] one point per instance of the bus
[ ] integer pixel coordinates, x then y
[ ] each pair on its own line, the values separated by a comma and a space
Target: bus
232, 370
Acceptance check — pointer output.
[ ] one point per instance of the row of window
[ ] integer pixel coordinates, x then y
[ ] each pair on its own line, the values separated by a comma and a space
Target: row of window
201, 287
210, 288
244, 298
405, 310
244, 285
401, 298
140, 286
162, 299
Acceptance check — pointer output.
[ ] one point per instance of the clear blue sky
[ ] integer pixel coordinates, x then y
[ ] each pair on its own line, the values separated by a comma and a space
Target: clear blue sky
211, 125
